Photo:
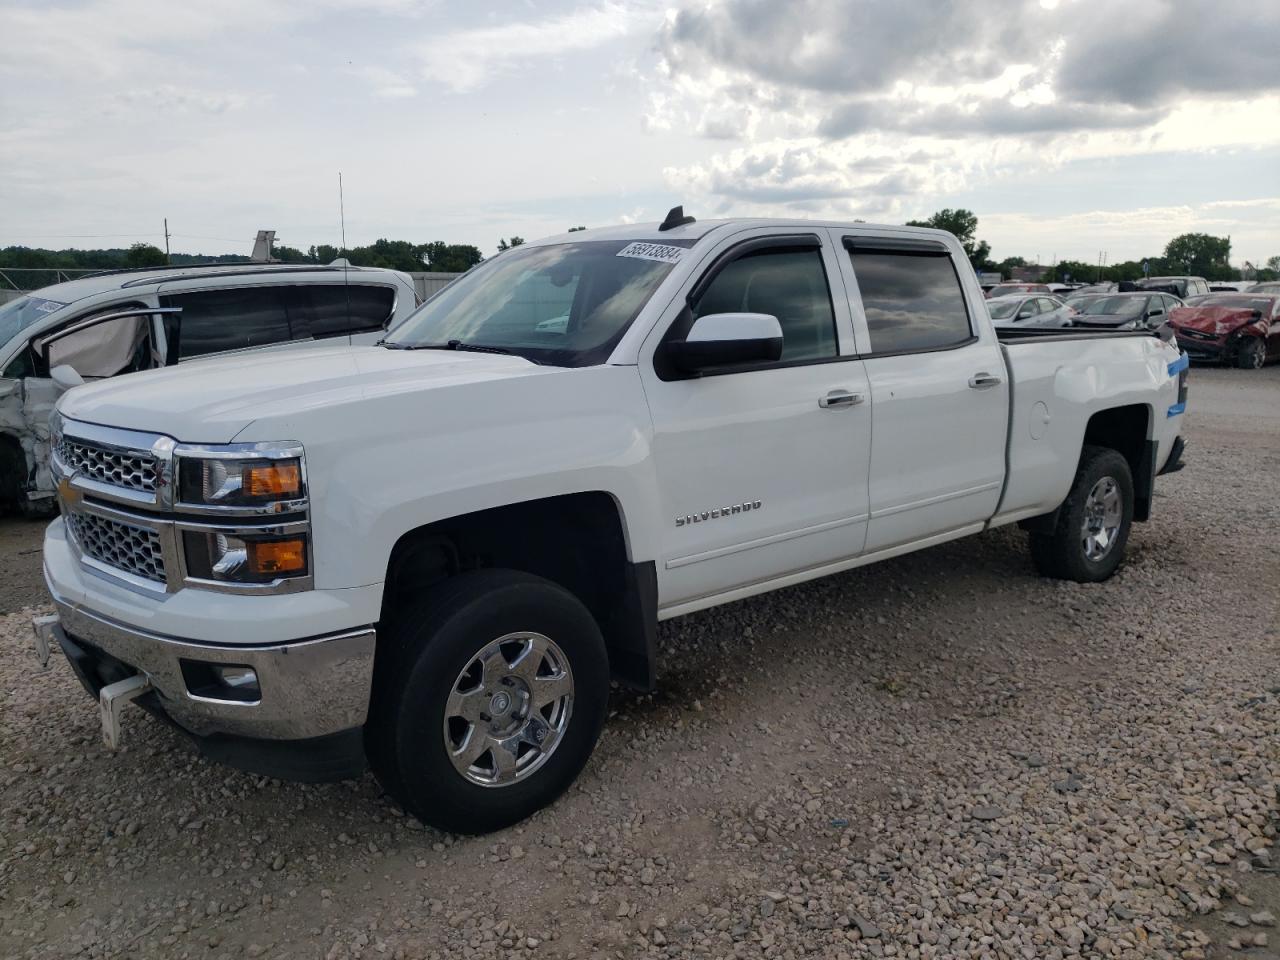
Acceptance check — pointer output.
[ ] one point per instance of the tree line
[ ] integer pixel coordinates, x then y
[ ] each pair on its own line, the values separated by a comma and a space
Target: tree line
435, 257
1196, 254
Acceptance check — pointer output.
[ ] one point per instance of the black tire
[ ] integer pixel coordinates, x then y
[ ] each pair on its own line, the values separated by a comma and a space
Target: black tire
1251, 354
13, 475
426, 646
1062, 554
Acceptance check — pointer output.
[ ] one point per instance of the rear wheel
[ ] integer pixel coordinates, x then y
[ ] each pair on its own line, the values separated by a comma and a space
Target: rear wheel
488, 699
1087, 544
1251, 354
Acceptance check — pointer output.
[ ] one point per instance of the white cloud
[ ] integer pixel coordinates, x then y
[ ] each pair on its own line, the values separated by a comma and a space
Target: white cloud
465, 60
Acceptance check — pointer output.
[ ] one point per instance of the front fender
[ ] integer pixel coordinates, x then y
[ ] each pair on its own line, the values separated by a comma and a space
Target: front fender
382, 466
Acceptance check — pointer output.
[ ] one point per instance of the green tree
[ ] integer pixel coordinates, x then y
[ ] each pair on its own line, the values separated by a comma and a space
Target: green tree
145, 255
444, 257
508, 244
291, 254
963, 224
1200, 254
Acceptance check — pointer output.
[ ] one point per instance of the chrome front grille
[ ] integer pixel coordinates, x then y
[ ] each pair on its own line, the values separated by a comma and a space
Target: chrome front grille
117, 468
126, 547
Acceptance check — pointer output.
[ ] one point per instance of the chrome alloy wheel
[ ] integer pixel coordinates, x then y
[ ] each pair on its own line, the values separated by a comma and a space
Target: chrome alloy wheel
508, 709
1103, 512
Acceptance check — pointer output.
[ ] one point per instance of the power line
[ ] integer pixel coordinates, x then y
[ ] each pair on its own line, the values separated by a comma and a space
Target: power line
88, 236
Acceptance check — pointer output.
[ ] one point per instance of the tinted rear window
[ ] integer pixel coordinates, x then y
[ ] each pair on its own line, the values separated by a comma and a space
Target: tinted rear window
912, 301
216, 320
331, 310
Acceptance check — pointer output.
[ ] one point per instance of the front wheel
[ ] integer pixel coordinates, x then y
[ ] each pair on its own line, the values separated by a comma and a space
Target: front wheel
489, 696
1252, 354
1087, 544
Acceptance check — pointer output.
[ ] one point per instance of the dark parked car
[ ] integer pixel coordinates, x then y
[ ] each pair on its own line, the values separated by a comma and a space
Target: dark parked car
1126, 311
1179, 286
1238, 328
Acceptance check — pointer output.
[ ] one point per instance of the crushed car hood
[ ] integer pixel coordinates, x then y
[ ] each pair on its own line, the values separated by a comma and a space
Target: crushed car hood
1214, 320
210, 401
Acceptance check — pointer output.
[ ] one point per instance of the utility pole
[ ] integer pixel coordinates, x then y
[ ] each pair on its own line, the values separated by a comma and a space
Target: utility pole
166, 240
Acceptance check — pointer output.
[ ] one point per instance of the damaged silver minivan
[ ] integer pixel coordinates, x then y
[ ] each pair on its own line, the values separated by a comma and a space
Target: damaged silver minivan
120, 322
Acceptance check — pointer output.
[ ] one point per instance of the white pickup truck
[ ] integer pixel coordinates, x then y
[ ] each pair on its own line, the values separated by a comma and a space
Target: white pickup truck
433, 554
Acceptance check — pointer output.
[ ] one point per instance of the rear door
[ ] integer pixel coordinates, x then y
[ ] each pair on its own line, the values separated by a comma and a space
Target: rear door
938, 392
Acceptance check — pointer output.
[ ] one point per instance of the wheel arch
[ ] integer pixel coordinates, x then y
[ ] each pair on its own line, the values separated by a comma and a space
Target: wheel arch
15, 467
577, 540
1127, 430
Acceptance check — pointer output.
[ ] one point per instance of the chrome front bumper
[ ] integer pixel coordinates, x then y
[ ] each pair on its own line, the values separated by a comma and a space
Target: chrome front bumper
308, 688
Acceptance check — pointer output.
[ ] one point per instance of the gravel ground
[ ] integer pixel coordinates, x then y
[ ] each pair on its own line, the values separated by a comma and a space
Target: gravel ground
938, 756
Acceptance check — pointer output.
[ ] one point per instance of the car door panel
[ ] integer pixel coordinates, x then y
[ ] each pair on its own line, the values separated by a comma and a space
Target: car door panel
939, 410
758, 479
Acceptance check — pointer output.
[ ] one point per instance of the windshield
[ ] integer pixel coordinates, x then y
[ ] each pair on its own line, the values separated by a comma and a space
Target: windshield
1003, 309
566, 305
1119, 306
17, 315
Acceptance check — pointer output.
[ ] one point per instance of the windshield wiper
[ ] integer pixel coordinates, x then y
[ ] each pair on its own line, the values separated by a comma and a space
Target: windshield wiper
454, 345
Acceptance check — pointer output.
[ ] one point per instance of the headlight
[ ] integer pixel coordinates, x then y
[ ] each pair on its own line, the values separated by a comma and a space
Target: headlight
244, 516
247, 556
261, 481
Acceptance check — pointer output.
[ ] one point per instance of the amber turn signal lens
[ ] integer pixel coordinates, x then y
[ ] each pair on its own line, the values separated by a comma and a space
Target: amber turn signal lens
277, 556
272, 480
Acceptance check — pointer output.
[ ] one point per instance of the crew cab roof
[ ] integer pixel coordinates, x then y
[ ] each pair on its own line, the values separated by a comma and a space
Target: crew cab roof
96, 283
650, 232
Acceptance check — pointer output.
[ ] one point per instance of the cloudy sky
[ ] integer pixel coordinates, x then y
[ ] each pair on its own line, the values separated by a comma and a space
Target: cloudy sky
1069, 127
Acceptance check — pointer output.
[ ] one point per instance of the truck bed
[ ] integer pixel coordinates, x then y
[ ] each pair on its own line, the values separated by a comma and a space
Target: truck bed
1016, 335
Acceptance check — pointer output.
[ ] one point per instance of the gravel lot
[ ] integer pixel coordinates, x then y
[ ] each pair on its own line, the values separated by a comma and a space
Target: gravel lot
938, 756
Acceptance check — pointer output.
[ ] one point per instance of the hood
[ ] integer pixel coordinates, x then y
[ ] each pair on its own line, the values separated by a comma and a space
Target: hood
210, 401
1214, 320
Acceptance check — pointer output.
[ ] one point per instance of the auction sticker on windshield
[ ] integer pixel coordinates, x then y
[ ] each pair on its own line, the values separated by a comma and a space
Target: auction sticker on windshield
661, 252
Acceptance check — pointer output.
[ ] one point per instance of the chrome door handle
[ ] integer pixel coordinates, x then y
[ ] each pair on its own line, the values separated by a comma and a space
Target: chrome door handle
983, 381
840, 398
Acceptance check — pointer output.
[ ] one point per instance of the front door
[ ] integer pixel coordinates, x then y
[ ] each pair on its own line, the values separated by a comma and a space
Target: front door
762, 471
940, 403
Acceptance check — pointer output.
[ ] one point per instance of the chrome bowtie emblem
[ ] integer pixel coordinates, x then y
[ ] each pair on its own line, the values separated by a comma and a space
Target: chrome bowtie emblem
69, 494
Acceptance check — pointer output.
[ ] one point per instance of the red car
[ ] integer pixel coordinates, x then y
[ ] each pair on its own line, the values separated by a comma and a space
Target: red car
1010, 289
1229, 327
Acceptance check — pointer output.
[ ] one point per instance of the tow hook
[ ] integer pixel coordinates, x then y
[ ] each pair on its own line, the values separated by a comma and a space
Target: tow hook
112, 700
46, 640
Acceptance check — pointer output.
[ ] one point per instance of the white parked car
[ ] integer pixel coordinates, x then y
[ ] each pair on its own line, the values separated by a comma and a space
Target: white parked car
434, 554
1033, 311
119, 322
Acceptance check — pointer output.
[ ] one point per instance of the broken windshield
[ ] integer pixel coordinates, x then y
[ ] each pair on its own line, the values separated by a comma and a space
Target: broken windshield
17, 315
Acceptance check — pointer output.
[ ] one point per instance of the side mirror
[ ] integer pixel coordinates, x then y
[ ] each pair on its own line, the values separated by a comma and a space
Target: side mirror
64, 377
724, 339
